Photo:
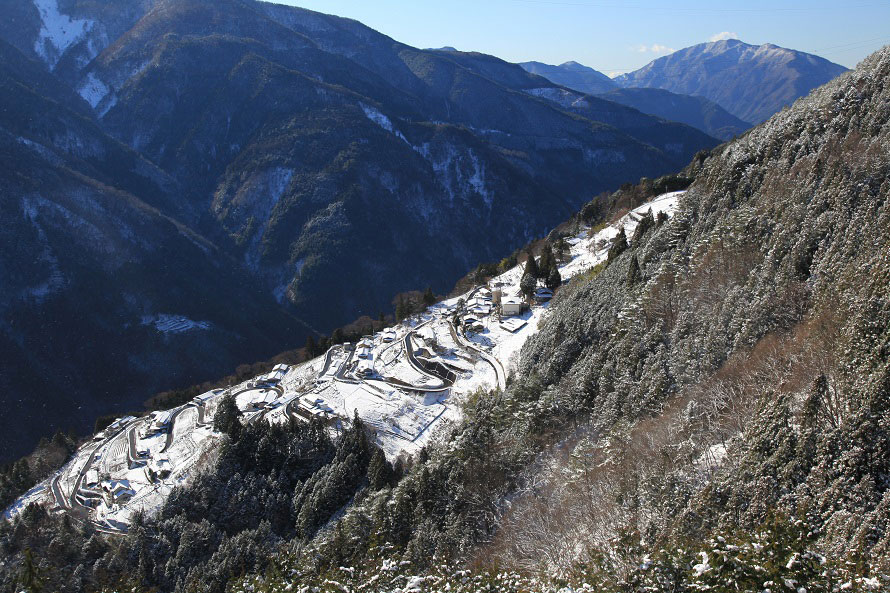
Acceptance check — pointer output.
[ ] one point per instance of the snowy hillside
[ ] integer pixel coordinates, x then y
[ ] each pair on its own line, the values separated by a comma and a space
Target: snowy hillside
406, 383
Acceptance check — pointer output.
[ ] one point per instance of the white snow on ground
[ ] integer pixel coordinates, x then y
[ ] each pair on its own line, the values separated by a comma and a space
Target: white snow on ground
173, 324
58, 31
93, 90
563, 97
382, 120
405, 399
37, 494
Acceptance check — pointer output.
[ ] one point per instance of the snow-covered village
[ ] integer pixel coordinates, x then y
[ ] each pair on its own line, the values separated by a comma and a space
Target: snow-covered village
406, 383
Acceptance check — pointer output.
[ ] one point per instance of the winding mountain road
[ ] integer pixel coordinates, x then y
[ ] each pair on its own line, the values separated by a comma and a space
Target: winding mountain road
327, 361
173, 416
71, 502
494, 362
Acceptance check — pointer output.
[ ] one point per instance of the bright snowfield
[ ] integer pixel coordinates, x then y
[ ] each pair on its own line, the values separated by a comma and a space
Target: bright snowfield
58, 31
406, 383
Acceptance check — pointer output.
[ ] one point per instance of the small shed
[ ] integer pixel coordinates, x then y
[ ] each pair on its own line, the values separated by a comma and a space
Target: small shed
513, 325
92, 478
511, 306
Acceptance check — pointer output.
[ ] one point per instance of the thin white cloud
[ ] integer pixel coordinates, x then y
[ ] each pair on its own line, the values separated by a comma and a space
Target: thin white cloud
655, 48
724, 35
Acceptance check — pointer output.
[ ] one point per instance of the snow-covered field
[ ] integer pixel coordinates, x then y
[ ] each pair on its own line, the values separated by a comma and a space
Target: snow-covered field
406, 383
173, 324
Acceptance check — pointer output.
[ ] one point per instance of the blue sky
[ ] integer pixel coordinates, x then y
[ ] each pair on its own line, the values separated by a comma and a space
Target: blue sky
614, 36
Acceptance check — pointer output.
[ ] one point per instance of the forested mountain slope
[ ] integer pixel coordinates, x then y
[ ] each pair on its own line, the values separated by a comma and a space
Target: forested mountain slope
290, 130
710, 411
697, 112
92, 268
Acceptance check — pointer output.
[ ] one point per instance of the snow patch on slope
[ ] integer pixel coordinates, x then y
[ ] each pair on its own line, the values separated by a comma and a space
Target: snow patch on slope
382, 120
173, 324
93, 90
459, 173
58, 31
262, 195
562, 97
54, 281
477, 180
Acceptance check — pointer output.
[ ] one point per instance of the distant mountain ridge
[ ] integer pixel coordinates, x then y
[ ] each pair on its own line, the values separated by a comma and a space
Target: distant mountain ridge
697, 112
750, 81
573, 75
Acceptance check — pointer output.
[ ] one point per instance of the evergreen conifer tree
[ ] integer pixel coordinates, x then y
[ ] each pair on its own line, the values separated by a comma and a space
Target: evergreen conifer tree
531, 266
547, 263
379, 471
554, 279
527, 285
619, 245
633, 272
429, 298
401, 309
226, 420
646, 223
561, 249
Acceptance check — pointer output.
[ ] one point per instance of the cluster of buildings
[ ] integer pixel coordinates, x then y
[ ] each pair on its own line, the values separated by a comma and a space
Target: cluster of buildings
158, 422
274, 376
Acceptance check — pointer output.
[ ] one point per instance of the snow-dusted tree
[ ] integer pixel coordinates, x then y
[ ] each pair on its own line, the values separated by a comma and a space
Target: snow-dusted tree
646, 223
226, 419
619, 245
633, 271
531, 266
554, 279
547, 262
527, 285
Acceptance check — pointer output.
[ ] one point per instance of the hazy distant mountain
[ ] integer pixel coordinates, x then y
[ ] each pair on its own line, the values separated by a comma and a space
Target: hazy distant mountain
750, 81
574, 76
697, 112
